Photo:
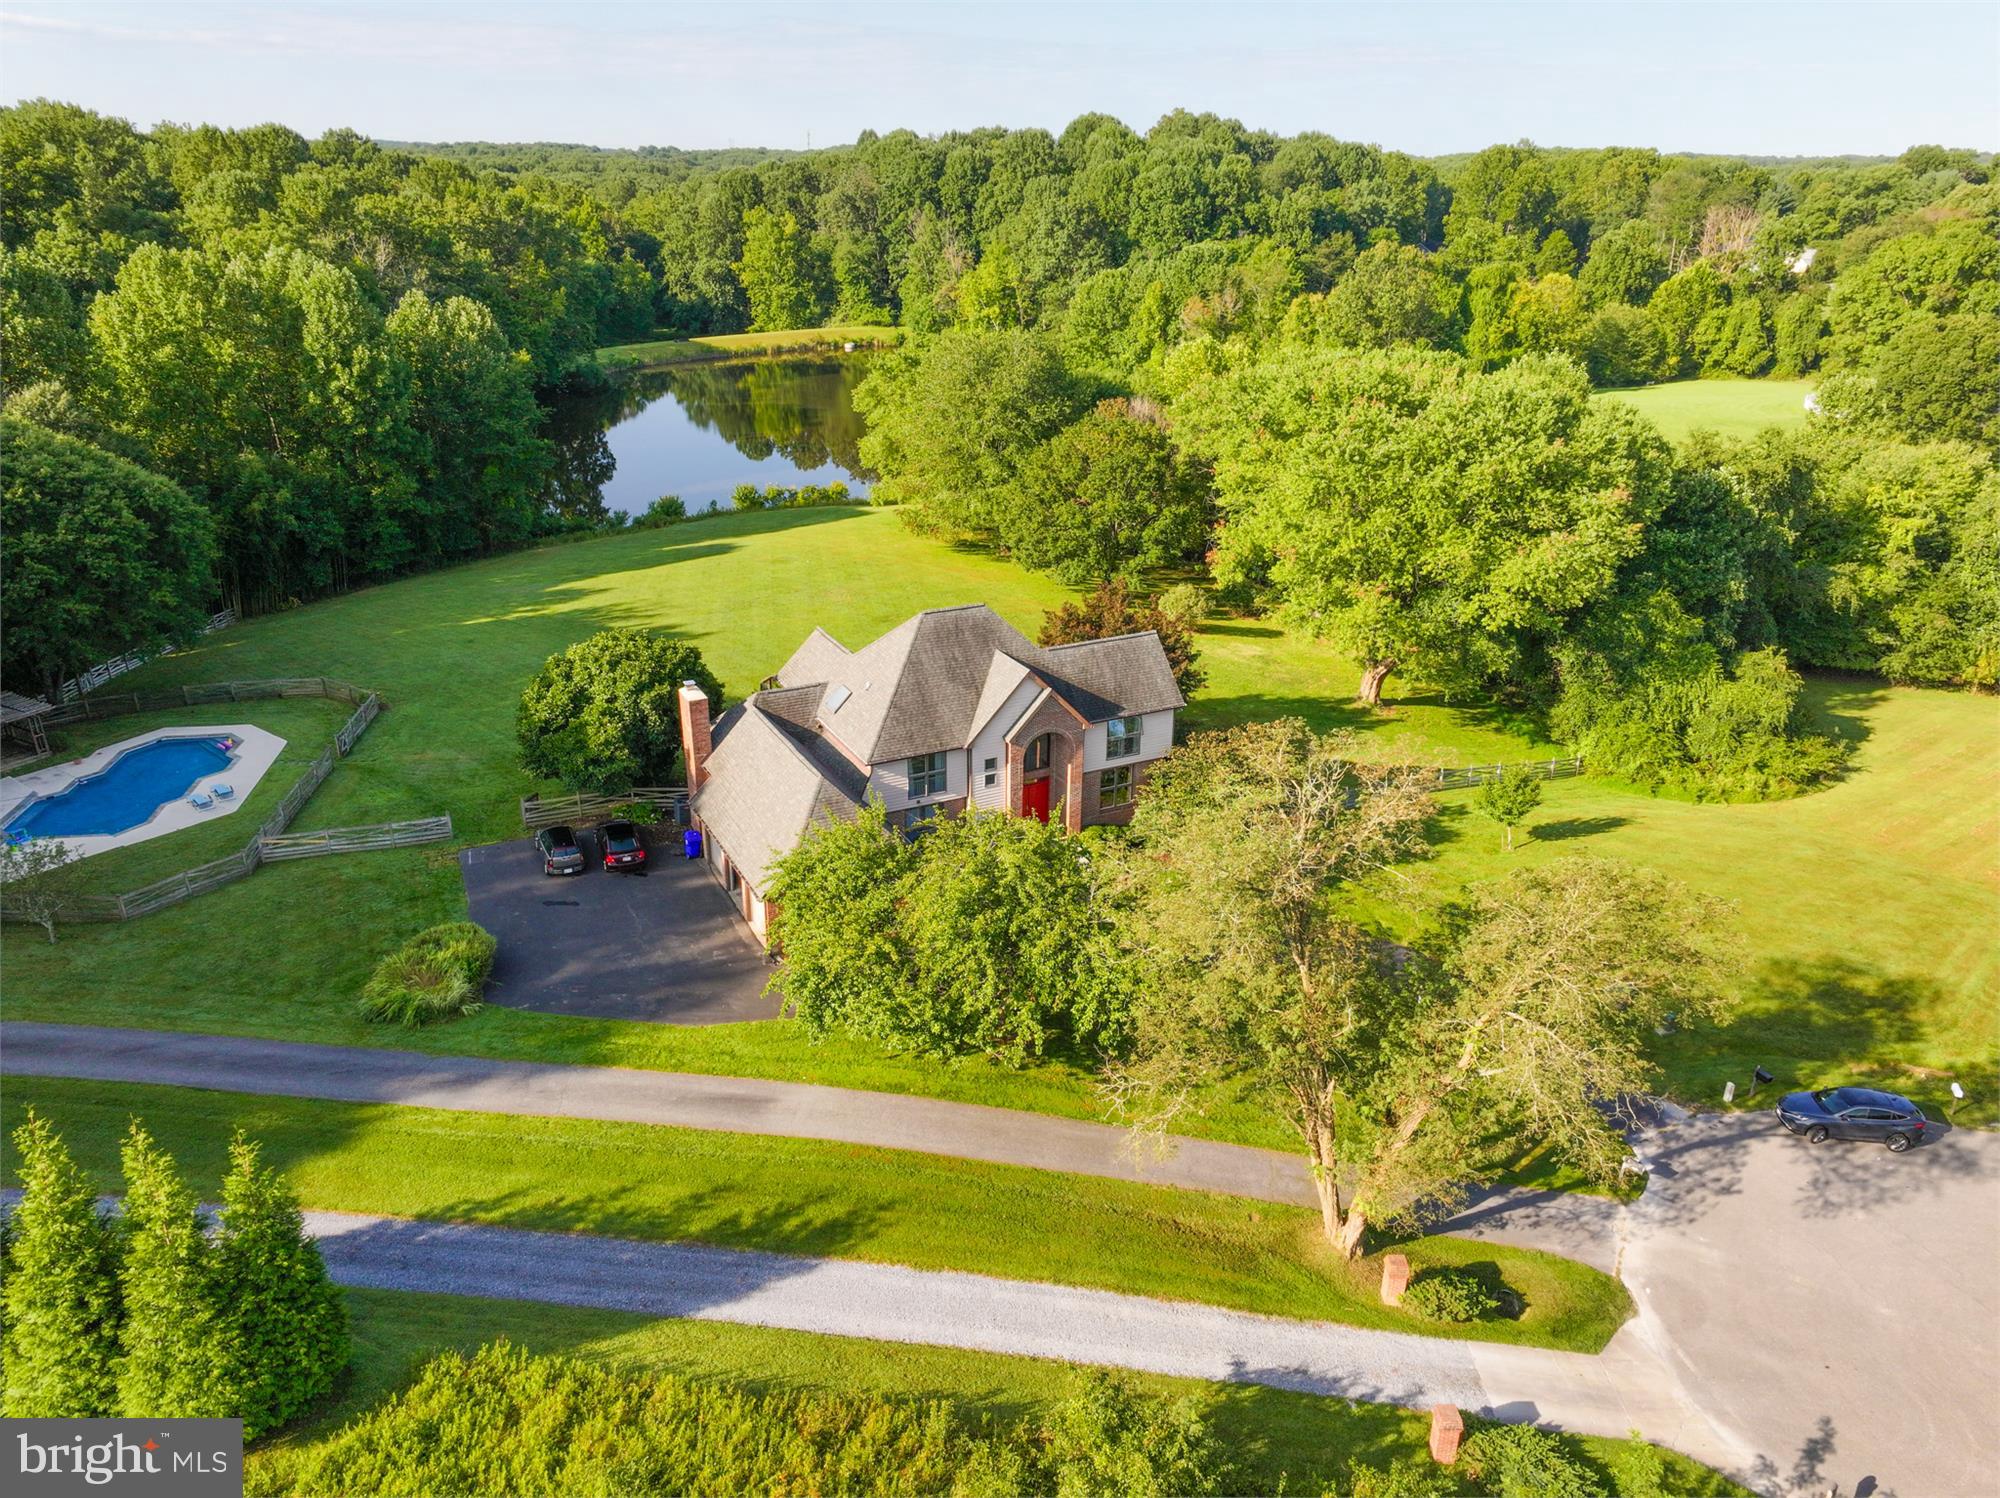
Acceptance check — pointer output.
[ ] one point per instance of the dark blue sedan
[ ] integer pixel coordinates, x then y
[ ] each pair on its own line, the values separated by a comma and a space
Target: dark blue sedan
1854, 1113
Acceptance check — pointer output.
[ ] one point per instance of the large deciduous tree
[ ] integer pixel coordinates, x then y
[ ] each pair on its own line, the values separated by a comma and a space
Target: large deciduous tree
1523, 1020
604, 715
1418, 513
951, 421
786, 279
1106, 496
102, 557
1246, 969
472, 418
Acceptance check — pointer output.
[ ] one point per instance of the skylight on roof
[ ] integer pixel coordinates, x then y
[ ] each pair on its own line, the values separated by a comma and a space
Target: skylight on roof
835, 697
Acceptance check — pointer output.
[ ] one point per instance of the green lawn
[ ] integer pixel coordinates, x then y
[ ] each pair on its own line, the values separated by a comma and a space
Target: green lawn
809, 1197
1870, 907
1277, 1441
306, 724
660, 351
1735, 408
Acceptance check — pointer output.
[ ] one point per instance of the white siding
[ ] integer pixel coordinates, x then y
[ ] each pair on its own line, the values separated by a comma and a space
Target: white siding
1156, 737
990, 743
891, 780
758, 918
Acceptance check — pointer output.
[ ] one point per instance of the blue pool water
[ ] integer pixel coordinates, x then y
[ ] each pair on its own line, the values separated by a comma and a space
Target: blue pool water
126, 792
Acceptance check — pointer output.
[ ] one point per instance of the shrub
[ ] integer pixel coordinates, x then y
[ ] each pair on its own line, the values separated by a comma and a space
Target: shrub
503, 1421
665, 510
1411, 1477
1449, 1295
436, 975
746, 497
1111, 610
1519, 1461
989, 935
1184, 603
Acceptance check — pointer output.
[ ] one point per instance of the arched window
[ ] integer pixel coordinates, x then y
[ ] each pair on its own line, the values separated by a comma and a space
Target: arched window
1038, 753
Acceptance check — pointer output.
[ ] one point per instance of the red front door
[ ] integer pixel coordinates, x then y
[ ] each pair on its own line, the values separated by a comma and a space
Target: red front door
1035, 799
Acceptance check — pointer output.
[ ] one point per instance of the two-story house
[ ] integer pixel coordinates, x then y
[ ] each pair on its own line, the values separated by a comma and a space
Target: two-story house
953, 708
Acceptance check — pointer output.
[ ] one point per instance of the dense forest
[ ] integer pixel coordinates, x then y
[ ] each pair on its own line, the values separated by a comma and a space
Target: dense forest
279, 367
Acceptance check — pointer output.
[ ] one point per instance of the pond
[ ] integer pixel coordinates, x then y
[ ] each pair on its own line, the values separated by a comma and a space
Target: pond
699, 430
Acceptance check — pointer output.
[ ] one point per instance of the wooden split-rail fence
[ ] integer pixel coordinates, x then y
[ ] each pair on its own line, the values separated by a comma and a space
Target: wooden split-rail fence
667, 803
131, 660
1544, 769
273, 841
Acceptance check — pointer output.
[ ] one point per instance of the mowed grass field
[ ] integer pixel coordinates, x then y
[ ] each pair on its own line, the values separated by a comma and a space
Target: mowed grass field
809, 1197
1869, 910
658, 351
1734, 408
1277, 1441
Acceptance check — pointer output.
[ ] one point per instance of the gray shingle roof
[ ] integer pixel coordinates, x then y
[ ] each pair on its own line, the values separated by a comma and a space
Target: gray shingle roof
769, 780
923, 685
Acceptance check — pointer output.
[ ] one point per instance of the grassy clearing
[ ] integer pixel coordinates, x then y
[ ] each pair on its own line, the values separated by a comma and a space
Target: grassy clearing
1735, 408
1279, 1441
306, 724
661, 351
806, 1197
1868, 908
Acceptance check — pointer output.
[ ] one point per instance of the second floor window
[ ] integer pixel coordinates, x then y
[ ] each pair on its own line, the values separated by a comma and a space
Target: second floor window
1121, 737
926, 775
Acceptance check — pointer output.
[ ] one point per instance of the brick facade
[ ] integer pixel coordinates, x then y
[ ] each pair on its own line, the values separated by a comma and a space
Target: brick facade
1054, 717
1094, 814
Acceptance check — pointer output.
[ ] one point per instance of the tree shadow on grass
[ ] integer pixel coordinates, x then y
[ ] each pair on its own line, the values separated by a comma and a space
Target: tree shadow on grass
1573, 827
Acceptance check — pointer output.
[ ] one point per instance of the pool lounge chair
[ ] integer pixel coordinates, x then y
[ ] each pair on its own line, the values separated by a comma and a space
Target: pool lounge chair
222, 792
201, 801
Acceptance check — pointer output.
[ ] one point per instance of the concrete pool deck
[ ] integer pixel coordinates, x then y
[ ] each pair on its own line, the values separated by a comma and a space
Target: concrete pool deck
256, 751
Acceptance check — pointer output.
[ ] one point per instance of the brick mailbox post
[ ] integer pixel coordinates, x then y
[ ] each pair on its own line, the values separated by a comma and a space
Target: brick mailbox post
1447, 1428
1395, 1278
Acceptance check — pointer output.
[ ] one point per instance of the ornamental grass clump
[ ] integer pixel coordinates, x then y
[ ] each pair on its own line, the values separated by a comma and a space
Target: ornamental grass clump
438, 974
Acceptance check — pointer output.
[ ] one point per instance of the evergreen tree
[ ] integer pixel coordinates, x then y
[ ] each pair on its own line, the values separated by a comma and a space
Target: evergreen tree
61, 1290
171, 1329
285, 1326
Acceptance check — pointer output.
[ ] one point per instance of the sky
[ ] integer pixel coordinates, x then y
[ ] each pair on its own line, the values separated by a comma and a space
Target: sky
1754, 79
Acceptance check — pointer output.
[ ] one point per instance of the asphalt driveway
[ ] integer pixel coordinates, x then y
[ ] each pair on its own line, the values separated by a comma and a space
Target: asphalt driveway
663, 947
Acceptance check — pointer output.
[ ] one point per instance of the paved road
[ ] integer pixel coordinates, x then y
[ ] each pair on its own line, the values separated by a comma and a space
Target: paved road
1580, 1227
1836, 1304
664, 947
1807, 1316
1609, 1395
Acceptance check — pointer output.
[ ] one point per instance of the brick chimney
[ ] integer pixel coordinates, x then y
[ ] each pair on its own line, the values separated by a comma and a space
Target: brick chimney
694, 734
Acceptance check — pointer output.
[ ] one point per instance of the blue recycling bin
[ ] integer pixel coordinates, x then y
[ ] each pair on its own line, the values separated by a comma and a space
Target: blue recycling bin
691, 842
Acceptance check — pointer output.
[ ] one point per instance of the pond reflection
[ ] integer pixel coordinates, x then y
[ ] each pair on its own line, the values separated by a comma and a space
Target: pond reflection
699, 430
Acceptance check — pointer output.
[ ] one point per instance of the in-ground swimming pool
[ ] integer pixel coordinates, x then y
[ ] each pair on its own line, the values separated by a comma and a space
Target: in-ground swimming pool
126, 792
